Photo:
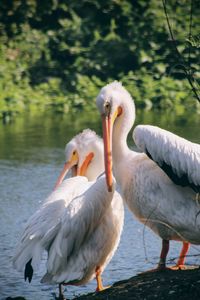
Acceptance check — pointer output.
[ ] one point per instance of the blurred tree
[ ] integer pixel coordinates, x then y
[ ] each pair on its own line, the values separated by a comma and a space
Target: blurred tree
77, 42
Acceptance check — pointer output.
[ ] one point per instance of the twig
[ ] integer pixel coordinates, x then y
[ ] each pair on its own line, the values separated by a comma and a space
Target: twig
190, 32
189, 76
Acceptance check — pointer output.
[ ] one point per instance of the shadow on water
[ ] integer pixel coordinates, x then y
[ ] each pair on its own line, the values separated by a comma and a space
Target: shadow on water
31, 156
15, 298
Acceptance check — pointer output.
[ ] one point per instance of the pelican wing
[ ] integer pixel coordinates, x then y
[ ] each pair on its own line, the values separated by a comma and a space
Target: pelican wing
179, 158
79, 221
44, 224
98, 248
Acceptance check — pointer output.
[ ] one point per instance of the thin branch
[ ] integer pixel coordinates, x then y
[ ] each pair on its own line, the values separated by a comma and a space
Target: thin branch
189, 76
190, 32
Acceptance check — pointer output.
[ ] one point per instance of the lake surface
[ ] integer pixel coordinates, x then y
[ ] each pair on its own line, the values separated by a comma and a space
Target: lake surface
31, 157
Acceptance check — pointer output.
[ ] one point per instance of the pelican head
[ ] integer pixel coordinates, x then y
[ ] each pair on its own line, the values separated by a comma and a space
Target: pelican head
114, 104
84, 156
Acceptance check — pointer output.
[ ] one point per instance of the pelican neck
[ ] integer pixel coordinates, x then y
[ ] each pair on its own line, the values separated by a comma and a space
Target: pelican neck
121, 128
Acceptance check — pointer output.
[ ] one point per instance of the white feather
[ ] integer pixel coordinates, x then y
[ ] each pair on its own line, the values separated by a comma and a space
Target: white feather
181, 155
43, 226
79, 224
168, 209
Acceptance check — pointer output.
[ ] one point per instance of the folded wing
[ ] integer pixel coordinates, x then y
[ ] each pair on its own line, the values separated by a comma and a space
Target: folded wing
179, 158
79, 221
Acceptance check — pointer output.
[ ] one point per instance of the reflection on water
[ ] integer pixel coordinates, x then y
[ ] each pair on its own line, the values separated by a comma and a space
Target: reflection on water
31, 156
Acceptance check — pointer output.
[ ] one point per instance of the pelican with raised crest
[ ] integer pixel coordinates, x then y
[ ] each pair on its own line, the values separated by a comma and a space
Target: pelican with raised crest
79, 224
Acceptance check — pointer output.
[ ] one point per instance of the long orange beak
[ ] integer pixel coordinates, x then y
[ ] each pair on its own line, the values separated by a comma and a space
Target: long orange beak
82, 170
66, 168
107, 137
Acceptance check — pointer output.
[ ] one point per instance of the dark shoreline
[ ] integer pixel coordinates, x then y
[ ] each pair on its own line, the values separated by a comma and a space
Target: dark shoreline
163, 285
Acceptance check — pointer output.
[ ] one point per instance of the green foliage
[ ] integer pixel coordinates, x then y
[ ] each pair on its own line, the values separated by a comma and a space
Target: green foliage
58, 54
194, 40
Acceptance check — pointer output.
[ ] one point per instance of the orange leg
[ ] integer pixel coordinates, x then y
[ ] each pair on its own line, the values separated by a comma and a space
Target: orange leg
183, 253
162, 262
163, 255
181, 260
100, 286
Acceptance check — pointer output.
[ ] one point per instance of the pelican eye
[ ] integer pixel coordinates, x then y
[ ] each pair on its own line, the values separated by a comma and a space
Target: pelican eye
74, 157
107, 107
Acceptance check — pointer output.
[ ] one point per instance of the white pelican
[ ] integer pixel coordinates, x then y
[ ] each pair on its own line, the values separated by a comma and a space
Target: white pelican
160, 185
79, 224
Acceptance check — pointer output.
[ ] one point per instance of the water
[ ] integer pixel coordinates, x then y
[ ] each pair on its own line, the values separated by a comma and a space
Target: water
31, 156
